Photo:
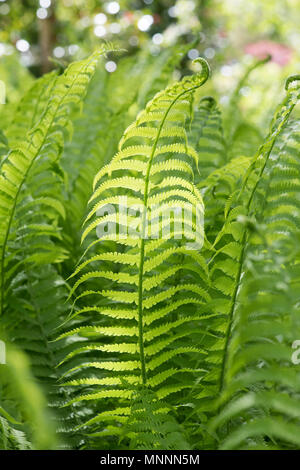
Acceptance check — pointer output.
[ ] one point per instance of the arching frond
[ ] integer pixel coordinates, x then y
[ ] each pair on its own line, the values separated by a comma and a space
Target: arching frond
146, 305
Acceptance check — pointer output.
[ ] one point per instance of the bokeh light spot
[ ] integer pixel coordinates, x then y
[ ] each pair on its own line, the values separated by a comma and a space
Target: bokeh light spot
145, 22
112, 8
100, 18
111, 66
58, 52
100, 31
41, 13
22, 45
157, 38
45, 3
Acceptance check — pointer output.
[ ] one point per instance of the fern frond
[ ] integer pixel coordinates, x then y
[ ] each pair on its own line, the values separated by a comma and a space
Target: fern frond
227, 262
158, 164
30, 109
37, 155
206, 135
250, 256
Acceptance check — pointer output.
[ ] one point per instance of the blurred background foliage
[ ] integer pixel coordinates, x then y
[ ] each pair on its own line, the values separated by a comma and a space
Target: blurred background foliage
38, 34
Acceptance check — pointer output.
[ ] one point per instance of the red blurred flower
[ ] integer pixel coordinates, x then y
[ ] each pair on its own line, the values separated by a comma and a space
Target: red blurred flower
279, 53
129, 16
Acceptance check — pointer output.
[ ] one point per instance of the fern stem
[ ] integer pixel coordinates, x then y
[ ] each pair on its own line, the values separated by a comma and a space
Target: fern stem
142, 254
231, 313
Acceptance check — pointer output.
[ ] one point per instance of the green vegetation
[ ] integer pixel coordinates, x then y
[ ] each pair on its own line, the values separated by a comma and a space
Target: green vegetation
145, 329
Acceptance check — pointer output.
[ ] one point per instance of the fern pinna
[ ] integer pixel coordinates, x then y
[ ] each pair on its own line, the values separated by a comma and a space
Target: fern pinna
148, 309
